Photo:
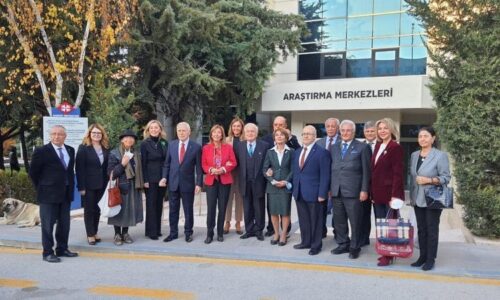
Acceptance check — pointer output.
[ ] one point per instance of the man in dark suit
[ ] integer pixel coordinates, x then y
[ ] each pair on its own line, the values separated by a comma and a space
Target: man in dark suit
183, 174
370, 133
52, 174
349, 187
327, 142
311, 179
293, 143
251, 154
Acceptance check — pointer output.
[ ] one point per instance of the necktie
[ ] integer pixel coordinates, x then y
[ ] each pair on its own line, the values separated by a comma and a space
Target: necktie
250, 149
61, 158
182, 152
303, 158
371, 146
344, 150
330, 144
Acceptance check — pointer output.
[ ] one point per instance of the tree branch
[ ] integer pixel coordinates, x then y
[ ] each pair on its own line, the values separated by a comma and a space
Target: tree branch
81, 61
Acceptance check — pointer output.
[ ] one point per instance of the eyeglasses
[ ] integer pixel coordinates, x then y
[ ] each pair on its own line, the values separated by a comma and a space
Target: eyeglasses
307, 133
96, 133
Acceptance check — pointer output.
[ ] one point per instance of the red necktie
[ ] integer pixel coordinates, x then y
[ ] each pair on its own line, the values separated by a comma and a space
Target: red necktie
302, 158
183, 151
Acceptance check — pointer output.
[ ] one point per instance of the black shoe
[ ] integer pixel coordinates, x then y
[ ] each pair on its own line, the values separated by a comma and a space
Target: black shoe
189, 238
67, 253
274, 242
154, 238
282, 243
170, 238
429, 265
354, 253
314, 251
300, 246
208, 240
220, 238
420, 262
340, 250
269, 233
247, 235
260, 236
51, 258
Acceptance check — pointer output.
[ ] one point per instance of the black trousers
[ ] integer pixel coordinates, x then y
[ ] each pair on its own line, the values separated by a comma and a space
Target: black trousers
217, 197
366, 222
380, 211
154, 209
91, 211
254, 210
347, 210
174, 204
328, 207
428, 231
311, 222
50, 214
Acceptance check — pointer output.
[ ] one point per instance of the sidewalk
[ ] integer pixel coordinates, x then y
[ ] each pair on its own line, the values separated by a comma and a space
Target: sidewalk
458, 255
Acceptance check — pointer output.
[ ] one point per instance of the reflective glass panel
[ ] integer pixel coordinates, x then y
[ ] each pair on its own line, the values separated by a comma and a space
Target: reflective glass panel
311, 47
381, 6
333, 65
386, 25
335, 46
360, 7
410, 25
311, 9
309, 66
359, 44
359, 27
386, 43
316, 32
359, 63
412, 60
385, 63
335, 8
415, 40
335, 29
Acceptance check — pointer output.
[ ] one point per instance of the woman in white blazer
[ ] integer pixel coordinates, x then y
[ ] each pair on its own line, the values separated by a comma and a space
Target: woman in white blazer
429, 166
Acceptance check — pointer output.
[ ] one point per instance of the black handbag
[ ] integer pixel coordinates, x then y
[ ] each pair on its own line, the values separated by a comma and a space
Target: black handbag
439, 197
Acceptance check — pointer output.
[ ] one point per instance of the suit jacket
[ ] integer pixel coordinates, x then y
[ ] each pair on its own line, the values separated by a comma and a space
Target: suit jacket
281, 171
387, 173
153, 156
259, 155
292, 143
351, 175
228, 161
183, 176
313, 180
436, 164
48, 175
322, 141
90, 174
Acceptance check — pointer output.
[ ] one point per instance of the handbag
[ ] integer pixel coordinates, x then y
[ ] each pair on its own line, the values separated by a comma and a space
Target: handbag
394, 236
103, 204
439, 197
114, 196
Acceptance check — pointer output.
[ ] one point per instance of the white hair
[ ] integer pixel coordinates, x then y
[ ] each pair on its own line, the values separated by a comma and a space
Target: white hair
348, 122
183, 124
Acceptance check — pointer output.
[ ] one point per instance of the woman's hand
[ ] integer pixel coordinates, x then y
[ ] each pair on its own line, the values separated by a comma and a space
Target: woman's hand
269, 172
125, 160
423, 180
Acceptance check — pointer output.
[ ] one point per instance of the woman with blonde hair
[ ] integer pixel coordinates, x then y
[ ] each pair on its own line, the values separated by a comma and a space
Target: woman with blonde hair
235, 135
91, 167
153, 153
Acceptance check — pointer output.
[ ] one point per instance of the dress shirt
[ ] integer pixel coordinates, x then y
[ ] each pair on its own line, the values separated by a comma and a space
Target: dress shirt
64, 151
309, 147
186, 142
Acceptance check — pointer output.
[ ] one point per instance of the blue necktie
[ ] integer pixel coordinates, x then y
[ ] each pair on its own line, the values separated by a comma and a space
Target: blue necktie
344, 149
61, 157
250, 149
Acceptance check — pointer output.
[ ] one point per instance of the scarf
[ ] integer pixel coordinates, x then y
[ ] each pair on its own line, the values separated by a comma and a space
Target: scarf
136, 172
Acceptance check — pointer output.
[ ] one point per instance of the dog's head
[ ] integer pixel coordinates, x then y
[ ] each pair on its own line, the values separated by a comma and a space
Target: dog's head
9, 205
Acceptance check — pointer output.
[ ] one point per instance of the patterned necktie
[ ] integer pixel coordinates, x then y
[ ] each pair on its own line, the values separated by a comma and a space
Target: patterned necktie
303, 158
61, 158
250, 149
344, 149
182, 153
330, 144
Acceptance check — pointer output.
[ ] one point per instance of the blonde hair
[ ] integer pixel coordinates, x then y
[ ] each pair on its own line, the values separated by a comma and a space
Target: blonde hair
104, 140
215, 127
146, 134
230, 135
392, 128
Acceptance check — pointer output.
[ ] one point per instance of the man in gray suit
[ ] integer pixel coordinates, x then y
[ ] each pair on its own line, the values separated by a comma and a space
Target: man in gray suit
327, 142
349, 187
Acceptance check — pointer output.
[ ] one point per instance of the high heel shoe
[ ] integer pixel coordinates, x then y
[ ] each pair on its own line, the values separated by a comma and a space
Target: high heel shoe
420, 261
91, 240
385, 261
226, 227
238, 228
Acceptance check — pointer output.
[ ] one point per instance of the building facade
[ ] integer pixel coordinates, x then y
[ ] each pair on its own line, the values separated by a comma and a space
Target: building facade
364, 60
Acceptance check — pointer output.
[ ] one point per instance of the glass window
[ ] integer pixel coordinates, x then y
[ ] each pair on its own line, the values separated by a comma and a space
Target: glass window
410, 25
311, 9
335, 29
316, 32
335, 46
381, 6
415, 40
309, 66
359, 27
359, 44
359, 63
311, 47
386, 25
386, 43
333, 65
360, 7
385, 62
335, 8
412, 60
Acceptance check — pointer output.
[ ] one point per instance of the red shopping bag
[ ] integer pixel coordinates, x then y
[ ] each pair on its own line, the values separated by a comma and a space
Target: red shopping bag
394, 237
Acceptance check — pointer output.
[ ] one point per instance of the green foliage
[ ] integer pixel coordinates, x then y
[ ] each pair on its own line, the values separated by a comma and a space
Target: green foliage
109, 108
466, 58
18, 186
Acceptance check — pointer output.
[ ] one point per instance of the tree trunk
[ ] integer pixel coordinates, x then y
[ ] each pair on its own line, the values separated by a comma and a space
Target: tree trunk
24, 150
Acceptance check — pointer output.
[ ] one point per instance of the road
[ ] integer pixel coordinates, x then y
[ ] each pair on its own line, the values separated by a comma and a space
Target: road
110, 275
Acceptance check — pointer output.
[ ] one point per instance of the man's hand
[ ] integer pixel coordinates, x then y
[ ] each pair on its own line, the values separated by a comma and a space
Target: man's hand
197, 189
146, 185
82, 193
320, 199
269, 172
363, 196
162, 183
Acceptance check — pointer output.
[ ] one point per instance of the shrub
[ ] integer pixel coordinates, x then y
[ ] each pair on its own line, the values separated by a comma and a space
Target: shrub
18, 186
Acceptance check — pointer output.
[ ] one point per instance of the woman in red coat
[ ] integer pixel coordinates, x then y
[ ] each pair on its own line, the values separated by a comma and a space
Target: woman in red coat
217, 161
387, 172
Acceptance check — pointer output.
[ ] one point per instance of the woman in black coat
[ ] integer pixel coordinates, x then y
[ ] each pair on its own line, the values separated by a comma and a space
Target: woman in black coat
91, 166
153, 153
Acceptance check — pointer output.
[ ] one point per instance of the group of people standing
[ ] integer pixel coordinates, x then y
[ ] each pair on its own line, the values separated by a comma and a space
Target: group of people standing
337, 171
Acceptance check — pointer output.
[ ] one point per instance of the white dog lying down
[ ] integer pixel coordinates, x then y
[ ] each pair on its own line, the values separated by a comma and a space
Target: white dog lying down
20, 213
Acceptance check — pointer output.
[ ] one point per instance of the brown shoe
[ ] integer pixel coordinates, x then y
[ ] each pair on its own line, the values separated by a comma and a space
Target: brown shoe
226, 227
238, 228
118, 240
